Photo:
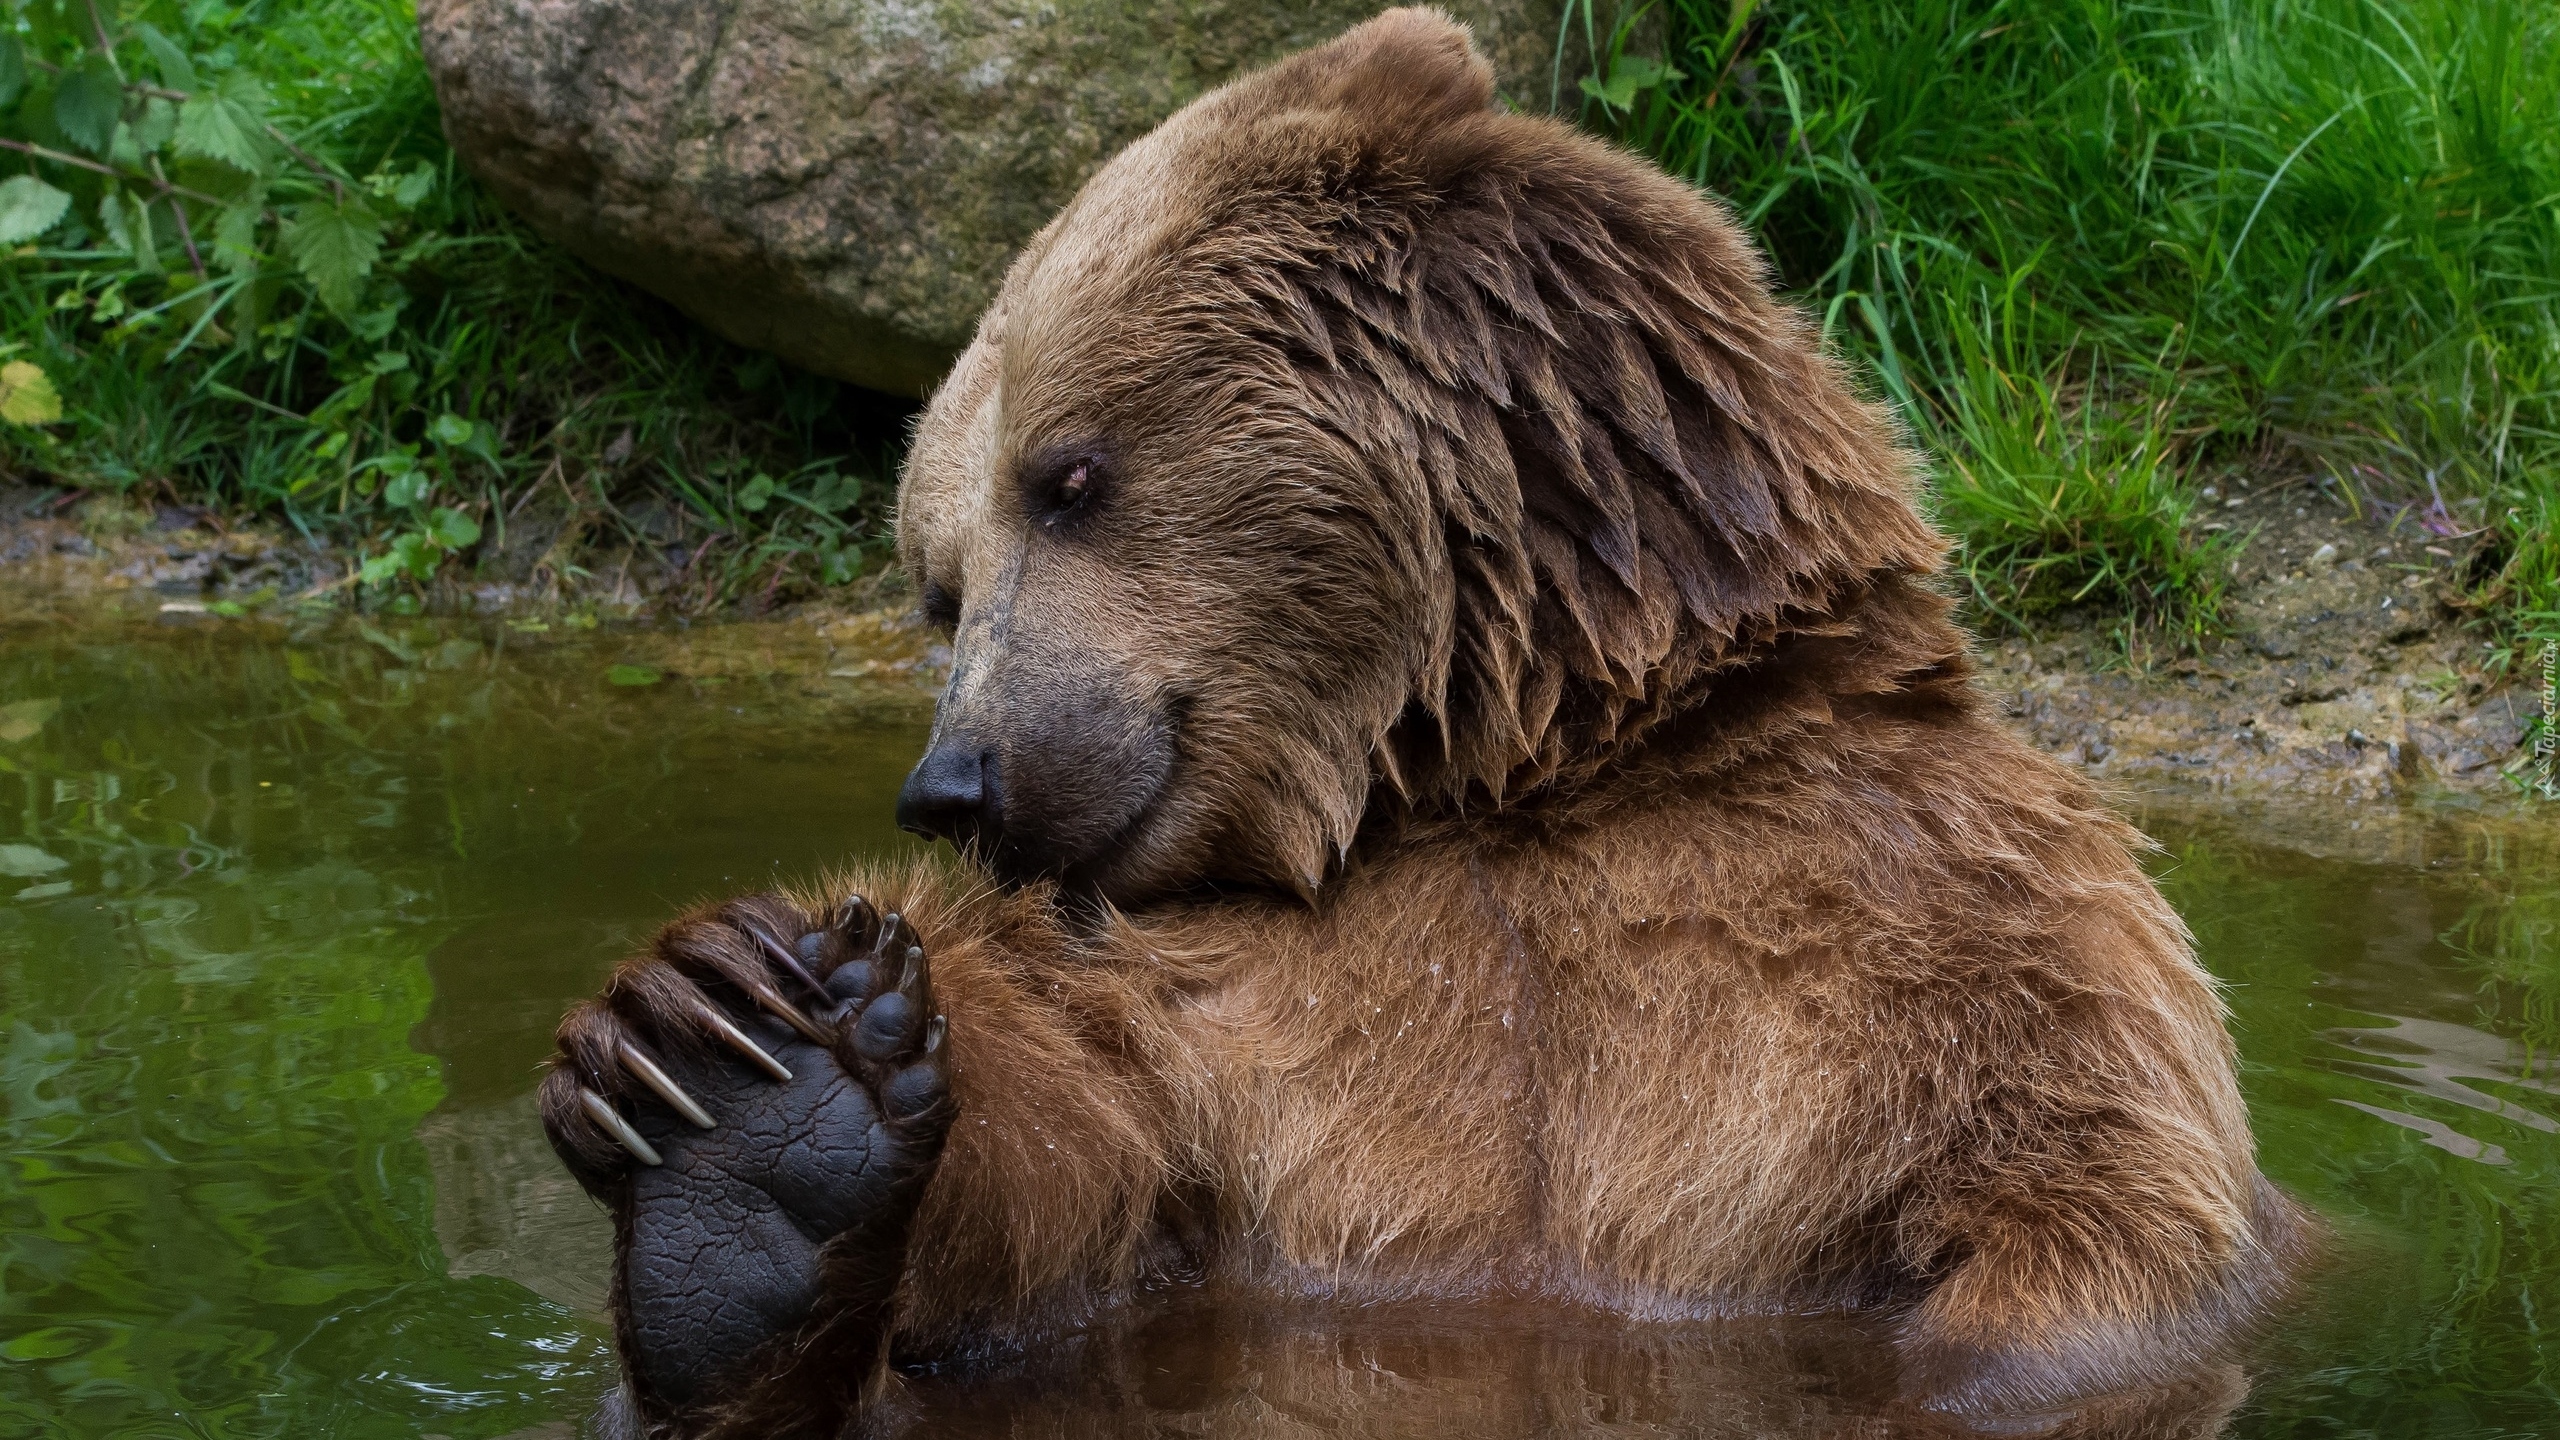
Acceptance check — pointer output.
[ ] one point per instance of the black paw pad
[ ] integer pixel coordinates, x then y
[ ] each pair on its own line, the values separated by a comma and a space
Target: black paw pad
825, 1120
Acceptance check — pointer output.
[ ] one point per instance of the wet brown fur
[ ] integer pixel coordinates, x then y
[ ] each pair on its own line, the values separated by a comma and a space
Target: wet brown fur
1591, 876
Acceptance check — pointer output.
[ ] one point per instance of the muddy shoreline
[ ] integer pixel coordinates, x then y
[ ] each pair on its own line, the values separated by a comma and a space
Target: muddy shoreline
2347, 670
2345, 673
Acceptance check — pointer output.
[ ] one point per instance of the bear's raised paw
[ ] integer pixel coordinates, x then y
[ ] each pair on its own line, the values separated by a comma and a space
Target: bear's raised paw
760, 1100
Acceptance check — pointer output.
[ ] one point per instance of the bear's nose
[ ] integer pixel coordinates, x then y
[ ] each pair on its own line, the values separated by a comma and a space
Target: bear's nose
946, 797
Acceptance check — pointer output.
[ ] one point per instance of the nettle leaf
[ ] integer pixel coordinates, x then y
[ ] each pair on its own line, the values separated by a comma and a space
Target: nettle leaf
13, 69
111, 215
157, 123
227, 124
28, 208
334, 246
27, 396
451, 528
235, 234
88, 104
128, 223
175, 67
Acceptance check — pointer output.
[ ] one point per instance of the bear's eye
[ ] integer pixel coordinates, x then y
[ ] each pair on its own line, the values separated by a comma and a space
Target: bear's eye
940, 607
1074, 488
1064, 487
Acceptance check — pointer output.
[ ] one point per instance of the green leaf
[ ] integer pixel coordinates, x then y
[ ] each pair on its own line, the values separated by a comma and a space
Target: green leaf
235, 234
28, 208
128, 222
175, 68
138, 237
334, 246
227, 124
415, 555
13, 69
451, 528
450, 430
1628, 75
27, 862
155, 126
1641, 72
377, 325
21, 719
415, 186
409, 487
634, 675
756, 493
27, 396
88, 104
349, 399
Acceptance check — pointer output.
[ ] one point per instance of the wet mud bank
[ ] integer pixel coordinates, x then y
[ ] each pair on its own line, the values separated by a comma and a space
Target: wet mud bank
2345, 671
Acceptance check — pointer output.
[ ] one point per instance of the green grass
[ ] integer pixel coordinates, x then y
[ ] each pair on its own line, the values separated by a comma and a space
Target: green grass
472, 379
2097, 250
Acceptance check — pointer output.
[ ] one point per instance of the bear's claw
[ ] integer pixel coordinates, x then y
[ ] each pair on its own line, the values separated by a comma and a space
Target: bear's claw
737, 1040
789, 961
602, 1111
777, 1164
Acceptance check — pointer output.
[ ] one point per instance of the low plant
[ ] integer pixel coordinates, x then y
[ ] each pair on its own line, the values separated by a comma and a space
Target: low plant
245, 271
2065, 492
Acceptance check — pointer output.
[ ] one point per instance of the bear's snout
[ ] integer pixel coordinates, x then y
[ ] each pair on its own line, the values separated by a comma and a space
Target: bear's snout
945, 797
1043, 771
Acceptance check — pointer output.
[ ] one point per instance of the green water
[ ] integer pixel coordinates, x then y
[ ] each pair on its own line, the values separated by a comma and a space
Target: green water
286, 917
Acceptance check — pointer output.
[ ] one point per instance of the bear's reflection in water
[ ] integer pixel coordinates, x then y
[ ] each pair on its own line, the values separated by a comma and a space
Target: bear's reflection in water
1193, 1364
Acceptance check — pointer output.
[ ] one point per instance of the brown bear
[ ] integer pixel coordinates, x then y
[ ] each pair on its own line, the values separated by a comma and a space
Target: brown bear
1469, 788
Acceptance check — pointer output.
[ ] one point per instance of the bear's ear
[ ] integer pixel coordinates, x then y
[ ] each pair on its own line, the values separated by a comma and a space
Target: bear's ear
1406, 70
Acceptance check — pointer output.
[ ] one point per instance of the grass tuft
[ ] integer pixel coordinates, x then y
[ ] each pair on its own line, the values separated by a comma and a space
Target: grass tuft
2316, 234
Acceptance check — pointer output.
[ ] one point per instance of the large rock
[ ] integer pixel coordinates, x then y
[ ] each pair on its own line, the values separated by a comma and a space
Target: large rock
843, 181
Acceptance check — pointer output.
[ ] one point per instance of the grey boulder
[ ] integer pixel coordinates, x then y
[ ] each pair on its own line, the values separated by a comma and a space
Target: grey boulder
842, 182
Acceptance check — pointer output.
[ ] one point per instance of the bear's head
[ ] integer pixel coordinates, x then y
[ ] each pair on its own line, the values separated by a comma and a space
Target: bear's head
1350, 442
